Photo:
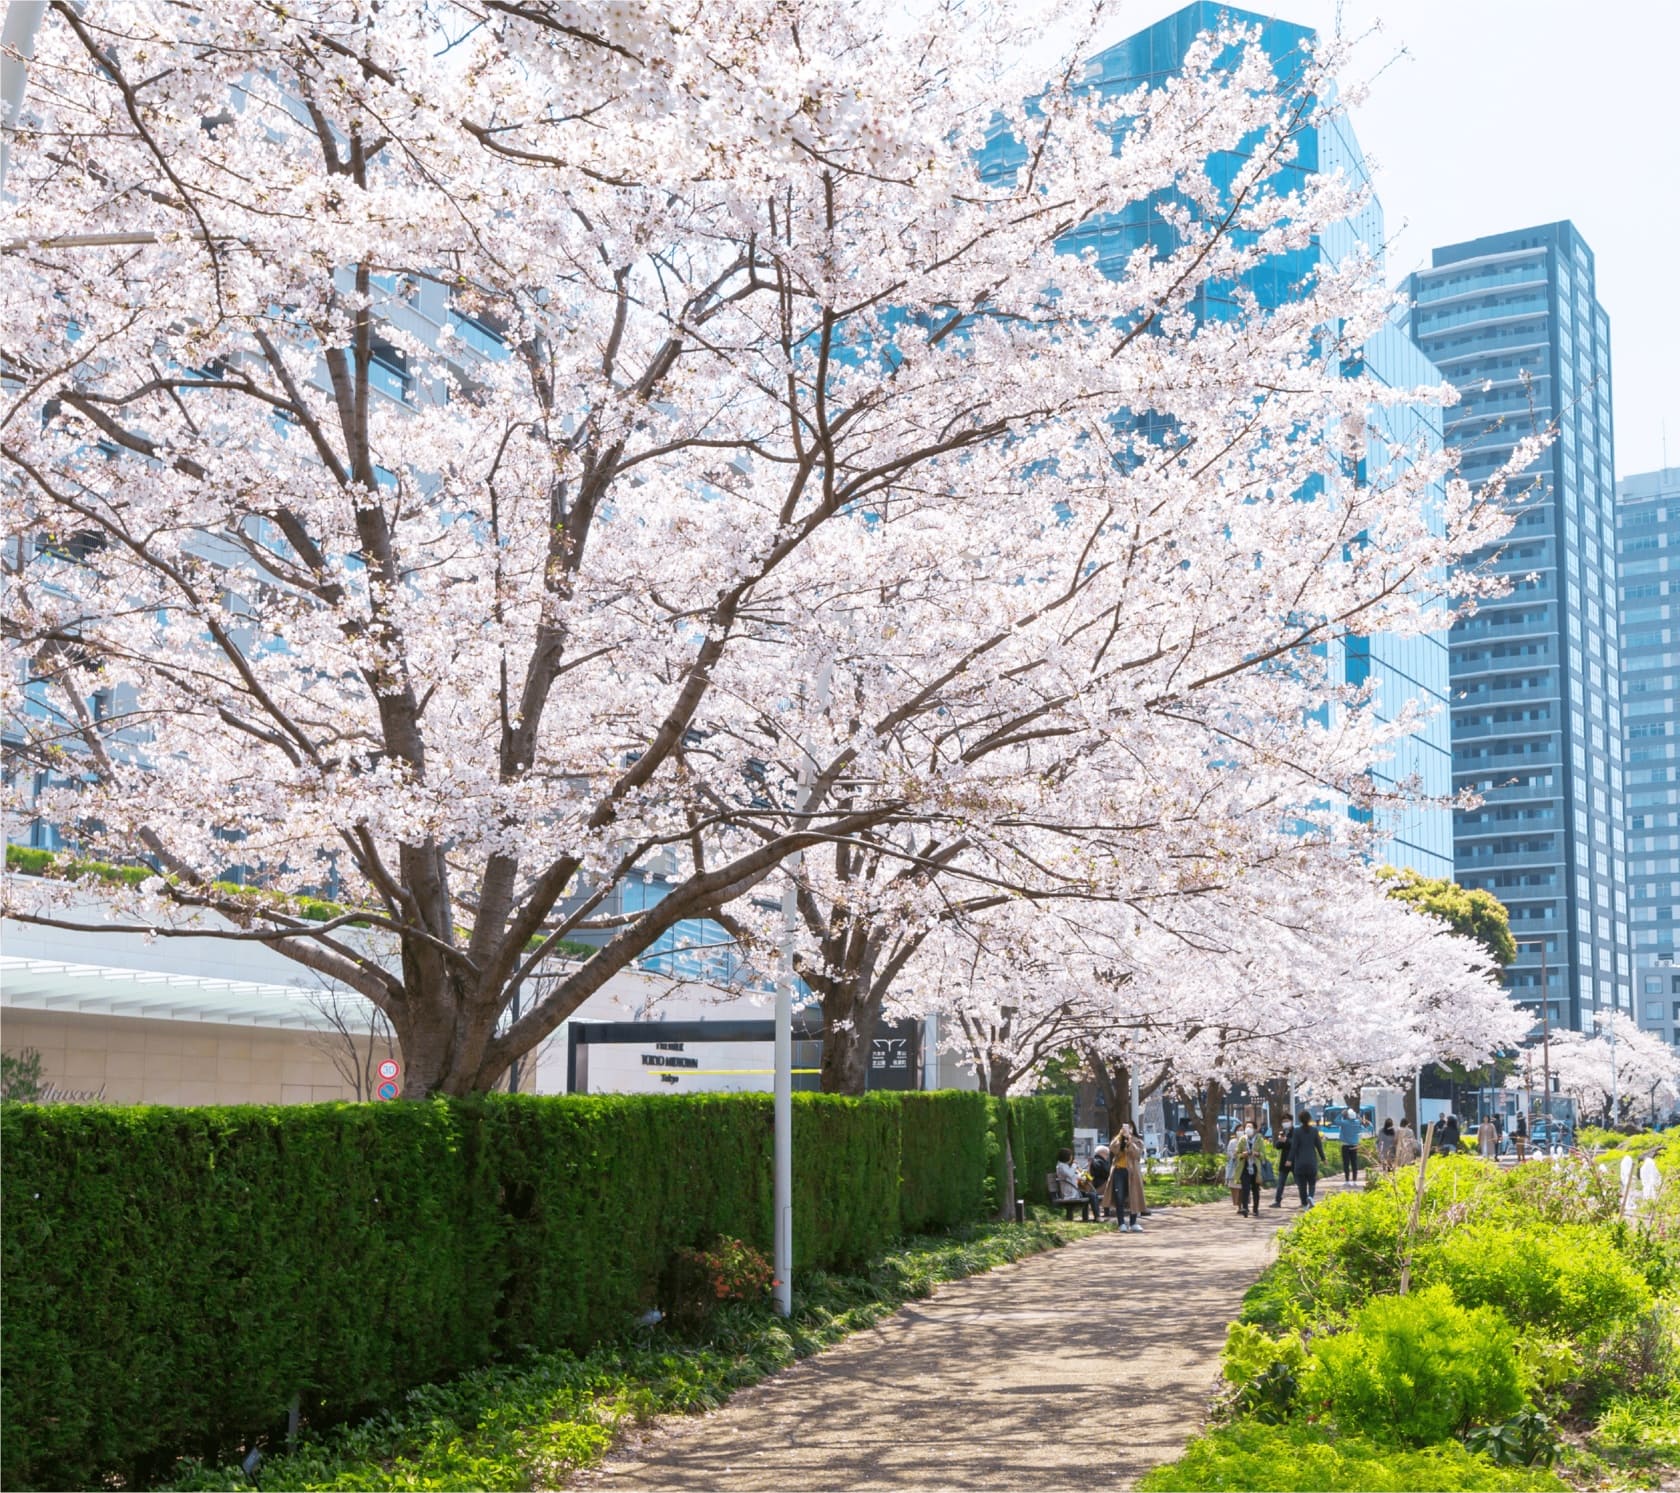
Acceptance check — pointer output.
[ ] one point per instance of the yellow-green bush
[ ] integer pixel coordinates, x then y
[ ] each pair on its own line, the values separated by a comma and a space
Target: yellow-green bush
1420, 1367
1570, 1279
1253, 1458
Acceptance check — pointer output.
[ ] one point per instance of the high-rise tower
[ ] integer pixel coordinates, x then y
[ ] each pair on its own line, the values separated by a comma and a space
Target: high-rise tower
1648, 576
1403, 669
1514, 323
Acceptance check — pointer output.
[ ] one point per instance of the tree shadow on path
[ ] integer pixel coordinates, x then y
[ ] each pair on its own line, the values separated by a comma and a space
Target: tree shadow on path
1084, 1366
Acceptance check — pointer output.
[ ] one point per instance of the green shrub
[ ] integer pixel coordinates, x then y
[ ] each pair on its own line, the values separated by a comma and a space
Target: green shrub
174, 1276
1259, 1458
1039, 1127
1265, 1371
1571, 1279
1420, 1367
944, 1163
1192, 1167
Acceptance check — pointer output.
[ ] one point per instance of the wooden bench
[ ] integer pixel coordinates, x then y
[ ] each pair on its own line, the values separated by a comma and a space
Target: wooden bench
1067, 1205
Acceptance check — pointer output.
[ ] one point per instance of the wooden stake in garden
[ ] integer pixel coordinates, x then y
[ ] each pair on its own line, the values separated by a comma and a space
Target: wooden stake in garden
1417, 1203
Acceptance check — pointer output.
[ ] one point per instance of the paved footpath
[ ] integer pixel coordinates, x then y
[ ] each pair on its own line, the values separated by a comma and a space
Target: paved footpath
1078, 1368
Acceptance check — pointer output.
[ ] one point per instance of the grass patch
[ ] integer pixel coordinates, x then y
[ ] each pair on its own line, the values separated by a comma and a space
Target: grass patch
527, 1425
1165, 1192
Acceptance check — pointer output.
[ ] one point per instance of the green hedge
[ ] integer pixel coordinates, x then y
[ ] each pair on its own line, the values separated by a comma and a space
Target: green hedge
173, 1277
945, 1164
1039, 1127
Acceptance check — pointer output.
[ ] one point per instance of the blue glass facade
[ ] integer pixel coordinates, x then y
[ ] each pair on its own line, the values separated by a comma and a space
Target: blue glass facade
1648, 576
1514, 323
1402, 669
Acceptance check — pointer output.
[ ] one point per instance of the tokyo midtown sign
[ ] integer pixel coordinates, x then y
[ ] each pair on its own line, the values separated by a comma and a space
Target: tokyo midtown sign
388, 1074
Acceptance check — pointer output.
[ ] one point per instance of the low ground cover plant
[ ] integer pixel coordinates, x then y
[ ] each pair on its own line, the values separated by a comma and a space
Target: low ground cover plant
1524, 1327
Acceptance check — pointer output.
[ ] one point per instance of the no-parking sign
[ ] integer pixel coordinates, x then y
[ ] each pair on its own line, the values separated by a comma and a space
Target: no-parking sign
387, 1091
388, 1071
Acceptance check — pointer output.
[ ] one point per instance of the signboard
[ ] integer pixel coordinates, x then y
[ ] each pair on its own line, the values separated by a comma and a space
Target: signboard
387, 1090
388, 1071
895, 1057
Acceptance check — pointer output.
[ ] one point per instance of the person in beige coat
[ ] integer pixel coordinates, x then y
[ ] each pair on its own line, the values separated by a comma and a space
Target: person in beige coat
1124, 1190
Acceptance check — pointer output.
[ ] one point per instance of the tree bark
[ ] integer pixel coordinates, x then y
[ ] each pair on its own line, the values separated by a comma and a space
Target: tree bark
849, 1023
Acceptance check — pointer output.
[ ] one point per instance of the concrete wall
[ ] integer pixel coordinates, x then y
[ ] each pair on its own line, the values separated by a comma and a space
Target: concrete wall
136, 1061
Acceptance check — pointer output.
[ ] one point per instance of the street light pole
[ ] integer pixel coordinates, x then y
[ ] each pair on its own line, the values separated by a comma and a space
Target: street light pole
782, 1104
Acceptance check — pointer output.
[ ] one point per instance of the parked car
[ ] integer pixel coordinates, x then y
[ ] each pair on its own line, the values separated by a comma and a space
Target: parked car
1549, 1133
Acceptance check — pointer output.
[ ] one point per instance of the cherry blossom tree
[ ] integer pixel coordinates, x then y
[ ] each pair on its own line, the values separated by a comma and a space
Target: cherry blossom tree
1616, 1067
461, 453
1302, 966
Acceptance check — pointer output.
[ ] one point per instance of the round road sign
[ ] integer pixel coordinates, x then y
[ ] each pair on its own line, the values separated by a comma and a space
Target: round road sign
388, 1069
387, 1091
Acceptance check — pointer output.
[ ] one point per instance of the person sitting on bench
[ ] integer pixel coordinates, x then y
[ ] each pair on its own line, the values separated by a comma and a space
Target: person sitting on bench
1068, 1187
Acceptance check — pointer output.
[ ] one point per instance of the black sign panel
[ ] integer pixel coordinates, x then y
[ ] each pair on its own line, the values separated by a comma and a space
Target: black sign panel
895, 1056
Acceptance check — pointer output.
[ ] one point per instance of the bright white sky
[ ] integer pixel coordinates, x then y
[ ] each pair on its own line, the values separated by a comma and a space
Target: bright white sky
1486, 115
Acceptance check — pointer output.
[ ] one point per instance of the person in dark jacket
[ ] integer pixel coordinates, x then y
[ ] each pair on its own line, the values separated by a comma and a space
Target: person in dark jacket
1283, 1142
1306, 1150
1099, 1167
1447, 1137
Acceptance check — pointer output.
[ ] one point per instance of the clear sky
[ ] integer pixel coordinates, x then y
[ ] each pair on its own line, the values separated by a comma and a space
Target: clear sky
1486, 115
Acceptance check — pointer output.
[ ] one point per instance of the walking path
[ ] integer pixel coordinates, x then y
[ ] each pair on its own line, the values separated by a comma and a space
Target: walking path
1082, 1367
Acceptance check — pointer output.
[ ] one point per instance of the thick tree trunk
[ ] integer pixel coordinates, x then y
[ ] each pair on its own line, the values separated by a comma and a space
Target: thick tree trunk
849, 1023
1207, 1122
441, 1036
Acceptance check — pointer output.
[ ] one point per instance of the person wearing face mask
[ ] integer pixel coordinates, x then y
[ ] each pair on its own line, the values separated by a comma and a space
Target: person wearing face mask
1249, 1157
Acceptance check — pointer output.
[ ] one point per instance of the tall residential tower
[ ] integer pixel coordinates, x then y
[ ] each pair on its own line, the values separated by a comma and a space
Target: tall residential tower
1514, 323
1648, 572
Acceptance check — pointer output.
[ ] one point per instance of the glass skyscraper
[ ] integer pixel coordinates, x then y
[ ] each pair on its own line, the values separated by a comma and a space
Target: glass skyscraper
1648, 574
1514, 323
1401, 669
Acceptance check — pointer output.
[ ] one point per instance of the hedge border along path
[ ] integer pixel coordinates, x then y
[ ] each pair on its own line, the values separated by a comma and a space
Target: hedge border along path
173, 1277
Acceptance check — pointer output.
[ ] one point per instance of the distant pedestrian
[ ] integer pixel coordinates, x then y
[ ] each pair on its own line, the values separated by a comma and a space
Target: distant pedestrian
1387, 1140
1406, 1148
1232, 1147
1447, 1137
1348, 1132
1519, 1138
1283, 1140
1487, 1140
1306, 1150
1249, 1156
1126, 1180
1101, 1170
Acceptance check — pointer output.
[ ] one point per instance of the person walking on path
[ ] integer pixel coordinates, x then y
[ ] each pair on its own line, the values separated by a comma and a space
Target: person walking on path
1249, 1154
1306, 1150
1232, 1147
1487, 1139
1126, 1180
1387, 1140
1519, 1138
1283, 1164
1348, 1133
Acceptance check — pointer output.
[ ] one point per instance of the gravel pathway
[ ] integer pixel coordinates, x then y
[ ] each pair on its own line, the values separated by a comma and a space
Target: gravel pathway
1079, 1368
